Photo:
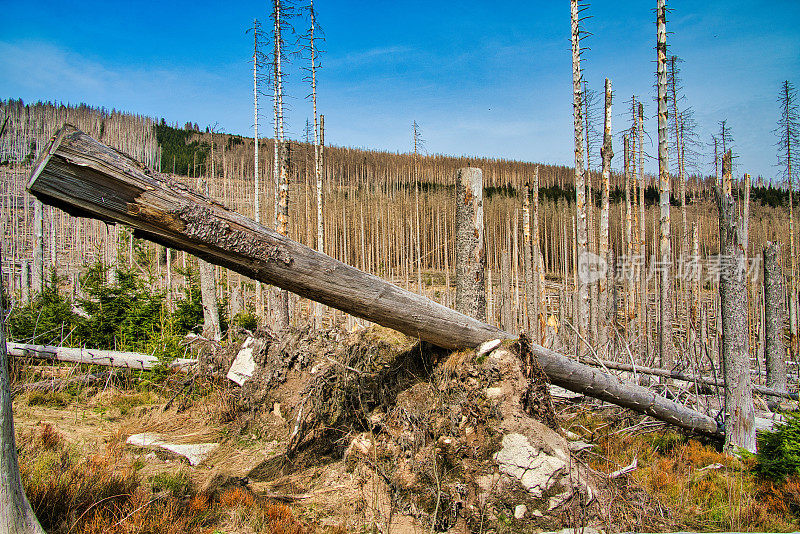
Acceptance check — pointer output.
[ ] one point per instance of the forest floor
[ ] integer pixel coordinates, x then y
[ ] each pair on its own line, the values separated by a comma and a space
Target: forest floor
81, 475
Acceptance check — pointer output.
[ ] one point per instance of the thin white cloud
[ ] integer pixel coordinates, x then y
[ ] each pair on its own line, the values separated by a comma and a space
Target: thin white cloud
41, 71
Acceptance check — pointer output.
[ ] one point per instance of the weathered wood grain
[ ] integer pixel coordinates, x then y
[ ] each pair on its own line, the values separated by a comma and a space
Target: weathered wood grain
112, 358
86, 178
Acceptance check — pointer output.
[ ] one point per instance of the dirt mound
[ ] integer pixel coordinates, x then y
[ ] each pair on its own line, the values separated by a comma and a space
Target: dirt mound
465, 441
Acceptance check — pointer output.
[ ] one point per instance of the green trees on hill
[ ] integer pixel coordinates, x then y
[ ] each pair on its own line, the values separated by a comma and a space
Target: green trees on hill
178, 154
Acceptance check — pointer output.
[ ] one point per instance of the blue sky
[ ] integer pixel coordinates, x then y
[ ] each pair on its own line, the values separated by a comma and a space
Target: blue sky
480, 78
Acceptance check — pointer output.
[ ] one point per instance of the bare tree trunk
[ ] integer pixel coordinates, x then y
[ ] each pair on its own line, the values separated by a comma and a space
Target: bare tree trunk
606, 153
25, 282
641, 251
582, 313
37, 276
470, 247
665, 293
256, 174
16, 514
540, 307
740, 429
530, 283
208, 295
628, 251
208, 283
775, 351
281, 297
506, 300
318, 133
793, 340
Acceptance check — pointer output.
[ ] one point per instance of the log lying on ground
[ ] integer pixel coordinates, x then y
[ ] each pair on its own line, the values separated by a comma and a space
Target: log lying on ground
113, 358
757, 388
88, 179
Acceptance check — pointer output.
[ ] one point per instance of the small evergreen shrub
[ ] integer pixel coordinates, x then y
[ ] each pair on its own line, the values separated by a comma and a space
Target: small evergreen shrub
188, 314
778, 454
123, 314
246, 319
48, 319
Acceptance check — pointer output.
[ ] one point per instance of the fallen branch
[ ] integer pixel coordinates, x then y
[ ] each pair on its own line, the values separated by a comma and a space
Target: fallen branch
625, 470
762, 390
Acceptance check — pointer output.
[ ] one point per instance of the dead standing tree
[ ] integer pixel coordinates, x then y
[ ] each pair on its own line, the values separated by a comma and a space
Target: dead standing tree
310, 45
581, 314
212, 328
259, 60
788, 153
603, 249
470, 247
16, 514
665, 245
740, 428
774, 350
281, 171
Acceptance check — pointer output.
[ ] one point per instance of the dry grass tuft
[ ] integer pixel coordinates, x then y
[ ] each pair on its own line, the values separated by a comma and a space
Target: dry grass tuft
682, 483
102, 494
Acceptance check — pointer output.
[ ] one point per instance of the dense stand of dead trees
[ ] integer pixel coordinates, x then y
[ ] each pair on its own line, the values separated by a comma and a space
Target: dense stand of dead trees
368, 196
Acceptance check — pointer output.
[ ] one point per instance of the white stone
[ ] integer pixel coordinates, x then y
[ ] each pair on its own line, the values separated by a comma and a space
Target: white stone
519, 511
194, 452
536, 470
243, 366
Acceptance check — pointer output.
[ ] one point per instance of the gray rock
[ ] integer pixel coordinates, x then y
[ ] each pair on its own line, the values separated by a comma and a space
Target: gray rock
536, 470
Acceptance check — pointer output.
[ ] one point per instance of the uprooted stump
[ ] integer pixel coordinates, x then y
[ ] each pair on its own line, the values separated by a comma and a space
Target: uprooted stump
459, 440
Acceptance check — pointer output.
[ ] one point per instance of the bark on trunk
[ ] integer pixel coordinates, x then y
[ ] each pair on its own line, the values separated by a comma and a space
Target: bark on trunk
531, 323
208, 295
86, 178
16, 514
582, 311
665, 245
540, 303
470, 248
740, 429
111, 358
606, 153
636, 369
775, 351
37, 275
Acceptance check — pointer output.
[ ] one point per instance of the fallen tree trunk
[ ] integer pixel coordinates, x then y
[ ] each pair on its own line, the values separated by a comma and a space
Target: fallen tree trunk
761, 390
88, 179
113, 358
